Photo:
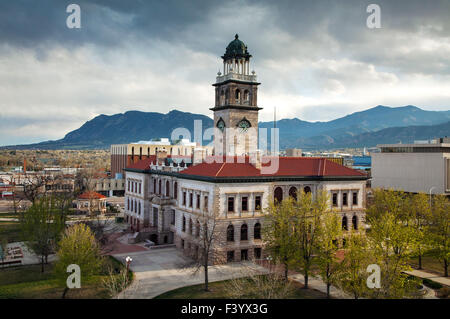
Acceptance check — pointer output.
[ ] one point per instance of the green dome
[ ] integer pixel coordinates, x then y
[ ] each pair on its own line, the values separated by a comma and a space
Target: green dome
236, 49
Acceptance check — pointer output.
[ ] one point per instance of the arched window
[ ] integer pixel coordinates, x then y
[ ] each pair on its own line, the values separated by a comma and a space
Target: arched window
293, 192
175, 190
238, 95
344, 223
183, 226
132, 154
222, 97
257, 231
140, 153
244, 232
355, 222
278, 195
167, 188
307, 189
190, 226
159, 188
230, 233
154, 186
246, 96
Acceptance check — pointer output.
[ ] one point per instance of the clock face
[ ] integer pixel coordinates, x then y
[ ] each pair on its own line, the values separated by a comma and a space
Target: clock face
244, 125
221, 125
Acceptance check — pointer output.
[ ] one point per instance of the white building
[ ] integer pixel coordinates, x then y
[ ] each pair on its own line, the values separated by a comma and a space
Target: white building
419, 167
166, 200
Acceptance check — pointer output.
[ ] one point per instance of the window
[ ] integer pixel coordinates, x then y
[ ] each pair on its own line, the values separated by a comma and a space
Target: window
159, 188
230, 256
190, 226
183, 226
139, 211
355, 198
184, 198
257, 231
244, 232
244, 202
198, 201
191, 199
128, 185
197, 229
307, 189
175, 190
355, 222
230, 233
344, 199
278, 195
344, 223
257, 253
206, 203
182, 243
167, 188
244, 254
258, 203
335, 199
140, 188
154, 186
293, 192
238, 95
231, 204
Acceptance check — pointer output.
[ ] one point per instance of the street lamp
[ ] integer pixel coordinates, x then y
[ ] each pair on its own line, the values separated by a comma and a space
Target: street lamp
431, 189
128, 261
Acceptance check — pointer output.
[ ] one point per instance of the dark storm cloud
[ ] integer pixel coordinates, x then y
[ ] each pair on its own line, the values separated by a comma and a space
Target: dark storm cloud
317, 60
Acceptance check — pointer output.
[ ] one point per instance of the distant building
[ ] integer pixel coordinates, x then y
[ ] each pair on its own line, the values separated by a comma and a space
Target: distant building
123, 155
413, 167
91, 202
294, 152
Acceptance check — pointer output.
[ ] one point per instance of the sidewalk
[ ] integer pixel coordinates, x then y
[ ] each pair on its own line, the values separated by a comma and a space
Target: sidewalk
318, 284
426, 275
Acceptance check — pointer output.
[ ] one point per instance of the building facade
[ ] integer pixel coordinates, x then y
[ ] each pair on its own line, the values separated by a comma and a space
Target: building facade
421, 167
168, 201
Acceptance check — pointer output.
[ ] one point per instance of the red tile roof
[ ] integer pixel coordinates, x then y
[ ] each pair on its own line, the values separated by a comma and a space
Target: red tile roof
144, 163
288, 166
91, 195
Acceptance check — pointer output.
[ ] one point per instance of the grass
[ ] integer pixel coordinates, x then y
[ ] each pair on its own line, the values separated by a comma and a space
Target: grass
429, 263
10, 231
27, 282
217, 291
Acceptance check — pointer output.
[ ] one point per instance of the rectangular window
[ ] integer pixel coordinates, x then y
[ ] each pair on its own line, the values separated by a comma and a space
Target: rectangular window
184, 198
128, 185
258, 203
355, 198
344, 199
191, 199
335, 199
231, 204
139, 188
244, 202
257, 253
230, 256
206, 203
244, 254
198, 202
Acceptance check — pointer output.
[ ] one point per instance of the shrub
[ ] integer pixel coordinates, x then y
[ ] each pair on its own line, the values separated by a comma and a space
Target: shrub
444, 292
432, 284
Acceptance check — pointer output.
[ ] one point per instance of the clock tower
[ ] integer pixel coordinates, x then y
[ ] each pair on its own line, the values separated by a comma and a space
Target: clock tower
236, 110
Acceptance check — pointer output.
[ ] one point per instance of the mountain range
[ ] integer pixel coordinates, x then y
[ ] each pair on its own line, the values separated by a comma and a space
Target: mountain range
378, 125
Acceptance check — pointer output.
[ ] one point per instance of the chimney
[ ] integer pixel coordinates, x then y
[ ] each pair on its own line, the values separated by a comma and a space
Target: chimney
25, 165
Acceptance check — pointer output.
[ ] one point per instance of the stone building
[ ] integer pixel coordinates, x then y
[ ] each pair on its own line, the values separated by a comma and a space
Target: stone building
167, 200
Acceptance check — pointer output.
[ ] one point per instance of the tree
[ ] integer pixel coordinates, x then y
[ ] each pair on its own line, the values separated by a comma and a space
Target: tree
419, 220
78, 246
392, 243
327, 248
41, 227
209, 237
440, 230
278, 233
307, 227
352, 277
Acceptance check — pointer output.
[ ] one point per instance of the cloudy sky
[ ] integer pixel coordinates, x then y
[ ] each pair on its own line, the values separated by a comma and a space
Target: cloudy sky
317, 60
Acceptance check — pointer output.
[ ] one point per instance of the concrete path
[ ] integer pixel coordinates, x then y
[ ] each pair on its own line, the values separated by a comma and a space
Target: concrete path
318, 284
423, 274
161, 270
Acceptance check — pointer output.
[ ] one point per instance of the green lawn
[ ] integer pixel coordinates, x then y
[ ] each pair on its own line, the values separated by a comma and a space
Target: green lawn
27, 282
10, 231
429, 263
217, 292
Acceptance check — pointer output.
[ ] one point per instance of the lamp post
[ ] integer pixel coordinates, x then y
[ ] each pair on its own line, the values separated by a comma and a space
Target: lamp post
431, 189
128, 261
